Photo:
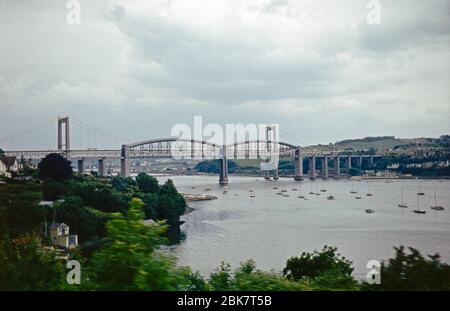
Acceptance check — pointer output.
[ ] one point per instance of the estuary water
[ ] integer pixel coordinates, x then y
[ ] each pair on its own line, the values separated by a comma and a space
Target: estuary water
270, 227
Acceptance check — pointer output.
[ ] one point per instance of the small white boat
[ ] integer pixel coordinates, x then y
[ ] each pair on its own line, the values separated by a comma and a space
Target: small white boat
402, 205
331, 198
435, 206
370, 211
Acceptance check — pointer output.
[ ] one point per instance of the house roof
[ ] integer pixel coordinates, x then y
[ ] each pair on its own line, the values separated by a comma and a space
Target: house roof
8, 161
57, 225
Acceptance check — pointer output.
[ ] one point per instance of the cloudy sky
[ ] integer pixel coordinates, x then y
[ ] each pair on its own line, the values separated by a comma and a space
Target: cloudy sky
136, 68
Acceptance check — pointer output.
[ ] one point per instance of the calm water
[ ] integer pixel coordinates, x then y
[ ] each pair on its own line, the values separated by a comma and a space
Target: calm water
270, 228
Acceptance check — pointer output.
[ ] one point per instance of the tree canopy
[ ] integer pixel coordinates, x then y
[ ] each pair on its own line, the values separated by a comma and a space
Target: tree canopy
55, 167
147, 183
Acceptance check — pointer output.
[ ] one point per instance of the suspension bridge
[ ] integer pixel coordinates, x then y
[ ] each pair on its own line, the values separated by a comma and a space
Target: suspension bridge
170, 148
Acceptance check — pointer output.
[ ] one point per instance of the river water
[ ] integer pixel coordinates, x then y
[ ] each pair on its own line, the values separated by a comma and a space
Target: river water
270, 228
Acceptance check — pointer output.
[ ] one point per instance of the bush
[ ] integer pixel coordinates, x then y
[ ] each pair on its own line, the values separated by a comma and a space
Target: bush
56, 167
312, 265
413, 272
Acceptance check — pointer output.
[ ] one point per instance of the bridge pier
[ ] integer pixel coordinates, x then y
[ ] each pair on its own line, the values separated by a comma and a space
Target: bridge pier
312, 167
349, 162
267, 175
275, 174
325, 167
101, 167
371, 160
81, 168
298, 165
125, 161
223, 176
337, 166
360, 159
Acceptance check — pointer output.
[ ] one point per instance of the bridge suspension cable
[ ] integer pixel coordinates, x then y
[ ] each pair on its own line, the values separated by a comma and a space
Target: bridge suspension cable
37, 136
92, 136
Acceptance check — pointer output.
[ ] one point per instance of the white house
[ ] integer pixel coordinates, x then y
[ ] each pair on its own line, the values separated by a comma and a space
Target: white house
8, 165
3, 169
59, 233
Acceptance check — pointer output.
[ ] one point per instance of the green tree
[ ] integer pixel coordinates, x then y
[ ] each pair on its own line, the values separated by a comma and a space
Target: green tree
147, 183
26, 265
413, 272
53, 190
82, 220
312, 265
171, 204
56, 167
248, 278
131, 260
20, 211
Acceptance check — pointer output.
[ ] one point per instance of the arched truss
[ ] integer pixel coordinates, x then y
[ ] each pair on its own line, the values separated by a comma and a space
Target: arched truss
174, 148
259, 149
198, 149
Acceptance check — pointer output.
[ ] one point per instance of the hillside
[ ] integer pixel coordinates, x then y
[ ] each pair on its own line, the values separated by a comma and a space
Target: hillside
383, 143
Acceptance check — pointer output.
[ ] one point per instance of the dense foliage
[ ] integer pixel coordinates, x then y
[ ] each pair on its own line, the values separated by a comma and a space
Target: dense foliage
413, 272
213, 167
55, 167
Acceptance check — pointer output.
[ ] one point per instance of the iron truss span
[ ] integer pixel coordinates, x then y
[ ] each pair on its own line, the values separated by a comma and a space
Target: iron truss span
195, 149
39, 154
185, 149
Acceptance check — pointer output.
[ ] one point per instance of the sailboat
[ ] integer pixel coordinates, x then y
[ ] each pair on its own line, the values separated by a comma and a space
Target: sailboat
369, 194
353, 190
420, 192
436, 207
403, 205
418, 210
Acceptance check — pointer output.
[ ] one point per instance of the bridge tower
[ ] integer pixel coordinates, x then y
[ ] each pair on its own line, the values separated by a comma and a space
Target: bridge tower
298, 164
325, 167
66, 145
223, 176
125, 161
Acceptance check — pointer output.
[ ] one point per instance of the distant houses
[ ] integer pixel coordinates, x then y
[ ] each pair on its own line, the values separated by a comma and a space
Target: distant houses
9, 166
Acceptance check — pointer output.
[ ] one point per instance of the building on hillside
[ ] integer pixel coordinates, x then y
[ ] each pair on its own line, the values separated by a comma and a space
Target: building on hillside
9, 166
59, 233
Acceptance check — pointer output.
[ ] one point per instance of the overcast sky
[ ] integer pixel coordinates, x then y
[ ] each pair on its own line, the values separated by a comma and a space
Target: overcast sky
135, 68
